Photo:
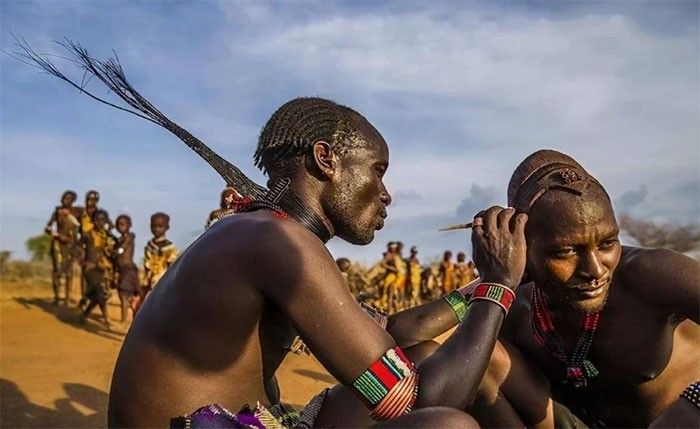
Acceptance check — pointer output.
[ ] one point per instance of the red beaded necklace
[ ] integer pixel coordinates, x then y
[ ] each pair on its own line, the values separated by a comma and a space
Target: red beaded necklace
578, 368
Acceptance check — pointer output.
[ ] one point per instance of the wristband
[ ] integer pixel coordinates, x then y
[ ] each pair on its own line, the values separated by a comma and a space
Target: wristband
458, 303
495, 293
692, 393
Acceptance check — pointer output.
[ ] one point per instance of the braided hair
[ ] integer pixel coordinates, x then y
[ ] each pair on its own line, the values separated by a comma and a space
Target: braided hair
295, 127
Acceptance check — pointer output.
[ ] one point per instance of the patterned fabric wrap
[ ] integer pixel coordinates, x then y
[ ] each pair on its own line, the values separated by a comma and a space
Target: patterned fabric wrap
389, 386
496, 293
278, 416
458, 303
159, 254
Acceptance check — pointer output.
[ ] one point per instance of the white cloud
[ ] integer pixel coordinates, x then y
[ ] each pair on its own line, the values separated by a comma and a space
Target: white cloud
461, 93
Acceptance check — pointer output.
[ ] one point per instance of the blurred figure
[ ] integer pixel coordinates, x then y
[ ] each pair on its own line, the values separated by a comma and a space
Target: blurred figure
159, 253
64, 243
230, 202
128, 273
464, 271
413, 283
447, 273
86, 225
99, 271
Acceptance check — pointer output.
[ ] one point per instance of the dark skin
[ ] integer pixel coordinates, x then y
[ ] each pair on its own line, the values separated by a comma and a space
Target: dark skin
159, 226
64, 248
646, 344
234, 327
125, 255
93, 256
91, 201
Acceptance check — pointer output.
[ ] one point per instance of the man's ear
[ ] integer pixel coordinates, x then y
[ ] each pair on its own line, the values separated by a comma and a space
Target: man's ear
324, 159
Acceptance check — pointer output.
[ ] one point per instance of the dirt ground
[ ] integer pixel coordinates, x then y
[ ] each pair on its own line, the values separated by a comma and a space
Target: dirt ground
56, 373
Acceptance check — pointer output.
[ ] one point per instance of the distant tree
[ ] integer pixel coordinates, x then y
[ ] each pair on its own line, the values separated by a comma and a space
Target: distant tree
681, 238
4, 258
38, 247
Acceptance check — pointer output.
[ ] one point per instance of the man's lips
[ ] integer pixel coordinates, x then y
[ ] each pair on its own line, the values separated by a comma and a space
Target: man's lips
590, 291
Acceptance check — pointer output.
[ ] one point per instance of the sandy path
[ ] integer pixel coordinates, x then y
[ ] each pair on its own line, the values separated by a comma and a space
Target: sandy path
56, 373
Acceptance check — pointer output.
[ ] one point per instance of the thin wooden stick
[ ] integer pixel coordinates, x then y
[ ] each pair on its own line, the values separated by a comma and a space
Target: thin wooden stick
458, 226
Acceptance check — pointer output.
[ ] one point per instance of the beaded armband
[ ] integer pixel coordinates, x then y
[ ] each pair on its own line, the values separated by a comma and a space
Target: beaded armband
692, 393
495, 293
380, 316
458, 300
389, 387
458, 303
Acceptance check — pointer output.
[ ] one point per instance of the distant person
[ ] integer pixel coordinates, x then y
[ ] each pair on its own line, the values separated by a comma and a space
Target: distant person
86, 225
128, 284
99, 271
413, 283
447, 273
231, 202
390, 276
344, 265
64, 243
401, 278
464, 271
159, 253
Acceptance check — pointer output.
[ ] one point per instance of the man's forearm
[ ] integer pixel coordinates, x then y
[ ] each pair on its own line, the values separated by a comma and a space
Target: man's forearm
427, 321
421, 323
450, 376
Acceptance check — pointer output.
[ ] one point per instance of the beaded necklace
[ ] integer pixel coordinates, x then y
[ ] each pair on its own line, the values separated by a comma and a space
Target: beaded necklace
578, 368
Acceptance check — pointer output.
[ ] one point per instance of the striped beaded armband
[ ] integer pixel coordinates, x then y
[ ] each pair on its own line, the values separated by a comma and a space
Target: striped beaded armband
389, 387
495, 293
692, 393
458, 303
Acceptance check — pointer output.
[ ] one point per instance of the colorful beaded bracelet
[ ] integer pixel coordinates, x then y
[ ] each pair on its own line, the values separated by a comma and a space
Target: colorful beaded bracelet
458, 303
692, 393
495, 293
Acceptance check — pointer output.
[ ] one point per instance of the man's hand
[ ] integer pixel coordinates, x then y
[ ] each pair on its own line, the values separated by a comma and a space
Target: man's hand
498, 245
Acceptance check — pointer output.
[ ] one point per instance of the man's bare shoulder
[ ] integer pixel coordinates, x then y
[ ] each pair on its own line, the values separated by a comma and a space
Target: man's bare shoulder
262, 235
659, 276
646, 266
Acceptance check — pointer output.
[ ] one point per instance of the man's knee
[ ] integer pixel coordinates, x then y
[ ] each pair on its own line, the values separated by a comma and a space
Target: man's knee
433, 417
451, 418
421, 351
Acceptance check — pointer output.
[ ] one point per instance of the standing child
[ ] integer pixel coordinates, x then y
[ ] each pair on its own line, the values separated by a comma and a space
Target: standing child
64, 243
128, 274
159, 253
99, 272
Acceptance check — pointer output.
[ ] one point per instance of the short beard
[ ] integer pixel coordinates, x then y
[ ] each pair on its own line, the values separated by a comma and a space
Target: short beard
576, 305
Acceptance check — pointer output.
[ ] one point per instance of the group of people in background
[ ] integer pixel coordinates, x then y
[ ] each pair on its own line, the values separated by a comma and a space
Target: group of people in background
84, 236
397, 282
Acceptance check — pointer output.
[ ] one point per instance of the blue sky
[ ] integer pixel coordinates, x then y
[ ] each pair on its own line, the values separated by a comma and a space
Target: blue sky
461, 91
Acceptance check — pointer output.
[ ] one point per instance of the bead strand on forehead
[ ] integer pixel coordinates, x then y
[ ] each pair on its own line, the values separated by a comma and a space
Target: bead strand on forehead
578, 368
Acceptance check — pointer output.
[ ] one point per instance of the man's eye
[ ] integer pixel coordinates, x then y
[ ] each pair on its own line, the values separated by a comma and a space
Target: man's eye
608, 244
562, 253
